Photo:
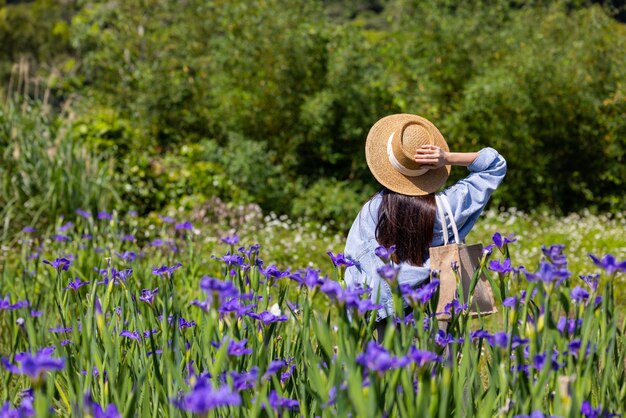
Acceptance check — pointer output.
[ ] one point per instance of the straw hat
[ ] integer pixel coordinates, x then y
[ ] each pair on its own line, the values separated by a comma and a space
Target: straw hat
390, 150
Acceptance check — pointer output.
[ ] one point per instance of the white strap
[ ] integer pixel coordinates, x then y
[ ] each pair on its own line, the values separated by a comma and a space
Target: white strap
443, 203
446, 206
444, 228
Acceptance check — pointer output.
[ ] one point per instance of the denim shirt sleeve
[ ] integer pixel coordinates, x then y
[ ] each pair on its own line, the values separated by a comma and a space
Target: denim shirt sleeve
469, 196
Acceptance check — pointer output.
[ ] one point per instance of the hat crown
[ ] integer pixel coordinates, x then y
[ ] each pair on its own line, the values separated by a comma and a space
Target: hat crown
414, 136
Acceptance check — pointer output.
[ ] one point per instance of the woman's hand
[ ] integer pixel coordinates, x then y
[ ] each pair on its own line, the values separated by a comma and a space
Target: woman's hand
431, 157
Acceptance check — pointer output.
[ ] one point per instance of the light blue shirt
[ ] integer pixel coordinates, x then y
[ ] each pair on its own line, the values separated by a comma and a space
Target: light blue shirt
467, 198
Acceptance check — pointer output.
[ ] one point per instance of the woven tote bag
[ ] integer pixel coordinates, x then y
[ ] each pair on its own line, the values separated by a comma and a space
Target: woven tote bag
467, 258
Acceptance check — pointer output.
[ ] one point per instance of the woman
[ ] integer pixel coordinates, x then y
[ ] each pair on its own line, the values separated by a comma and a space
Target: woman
410, 158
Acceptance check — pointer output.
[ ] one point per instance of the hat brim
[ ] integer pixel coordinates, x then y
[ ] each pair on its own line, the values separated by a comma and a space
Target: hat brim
378, 160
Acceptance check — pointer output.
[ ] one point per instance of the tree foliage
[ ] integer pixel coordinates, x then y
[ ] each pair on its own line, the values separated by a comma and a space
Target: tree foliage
271, 101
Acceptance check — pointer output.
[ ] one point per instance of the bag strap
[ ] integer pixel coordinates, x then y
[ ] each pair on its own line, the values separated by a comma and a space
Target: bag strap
444, 227
443, 203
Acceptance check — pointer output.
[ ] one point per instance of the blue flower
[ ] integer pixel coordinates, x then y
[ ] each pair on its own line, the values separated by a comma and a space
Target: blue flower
76, 284
592, 281
609, 264
340, 260
422, 294
85, 214
579, 294
548, 273
238, 348
61, 263
388, 272
280, 403
309, 278
184, 226
230, 240
502, 268
104, 215
554, 253
148, 295
165, 270
500, 241
204, 398
267, 317
384, 253
35, 366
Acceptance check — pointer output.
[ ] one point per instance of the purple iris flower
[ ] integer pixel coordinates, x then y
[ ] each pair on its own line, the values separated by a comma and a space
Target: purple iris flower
60, 329
204, 398
61, 238
422, 294
499, 241
609, 264
130, 334
24, 410
34, 366
273, 271
245, 380
309, 278
104, 215
230, 306
66, 227
148, 333
384, 253
502, 268
579, 294
480, 333
548, 273
554, 253
156, 243
388, 272
278, 402
76, 284
365, 305
511, 302
183, 324
6, 305
573, 346
238, 348
184, 226
165, 270
148, 295
592, 281
500, 339
422, 357
274, 367
340, 260
376, 358
85, 214
267, 317
590, 412
332, 289
231, 259
29, 230
231, 239
454, 305
167, 219
442, 339
127, 238
60, 263
128, 256
222, 288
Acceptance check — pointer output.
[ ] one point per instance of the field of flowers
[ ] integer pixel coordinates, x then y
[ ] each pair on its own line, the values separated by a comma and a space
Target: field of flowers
110, 315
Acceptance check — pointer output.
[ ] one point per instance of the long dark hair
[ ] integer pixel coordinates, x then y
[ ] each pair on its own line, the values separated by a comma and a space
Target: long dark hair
408, 223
